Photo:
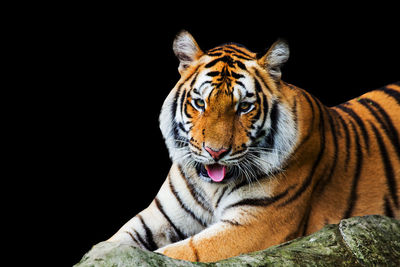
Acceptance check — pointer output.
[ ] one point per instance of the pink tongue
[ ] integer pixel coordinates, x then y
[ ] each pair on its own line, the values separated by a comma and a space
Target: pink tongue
216, 172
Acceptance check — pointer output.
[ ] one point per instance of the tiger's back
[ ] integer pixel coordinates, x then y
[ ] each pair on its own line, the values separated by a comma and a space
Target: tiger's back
365, 148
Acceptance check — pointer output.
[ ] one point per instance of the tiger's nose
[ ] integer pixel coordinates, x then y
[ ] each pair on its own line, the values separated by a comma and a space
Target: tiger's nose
216, 154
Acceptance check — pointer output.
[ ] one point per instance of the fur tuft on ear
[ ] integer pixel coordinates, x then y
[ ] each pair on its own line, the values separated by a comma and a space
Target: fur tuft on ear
276, 56
186, 49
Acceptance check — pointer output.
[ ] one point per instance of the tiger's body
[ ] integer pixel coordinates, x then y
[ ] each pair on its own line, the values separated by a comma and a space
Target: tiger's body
257, 161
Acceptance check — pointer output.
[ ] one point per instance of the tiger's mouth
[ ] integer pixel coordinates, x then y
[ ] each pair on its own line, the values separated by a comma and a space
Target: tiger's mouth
215, 172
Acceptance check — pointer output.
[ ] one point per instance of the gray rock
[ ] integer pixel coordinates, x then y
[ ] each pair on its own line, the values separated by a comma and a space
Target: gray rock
359, 241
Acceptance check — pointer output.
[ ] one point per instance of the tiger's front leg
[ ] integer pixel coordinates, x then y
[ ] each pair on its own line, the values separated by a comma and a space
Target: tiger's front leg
244, 225
241, 224
222, 240
172, 216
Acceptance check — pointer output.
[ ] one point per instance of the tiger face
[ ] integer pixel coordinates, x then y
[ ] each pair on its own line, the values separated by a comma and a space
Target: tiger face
226, 118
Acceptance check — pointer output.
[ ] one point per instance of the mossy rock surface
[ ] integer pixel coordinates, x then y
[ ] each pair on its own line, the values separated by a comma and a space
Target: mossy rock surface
359, 241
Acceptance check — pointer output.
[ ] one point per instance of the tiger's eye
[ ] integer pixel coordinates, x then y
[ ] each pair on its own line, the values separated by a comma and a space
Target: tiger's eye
199, 103
244, 106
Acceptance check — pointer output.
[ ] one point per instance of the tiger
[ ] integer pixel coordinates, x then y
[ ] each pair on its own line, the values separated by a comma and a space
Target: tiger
257, 161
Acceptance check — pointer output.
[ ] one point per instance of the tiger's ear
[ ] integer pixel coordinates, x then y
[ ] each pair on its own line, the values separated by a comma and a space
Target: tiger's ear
274, 59
186, 50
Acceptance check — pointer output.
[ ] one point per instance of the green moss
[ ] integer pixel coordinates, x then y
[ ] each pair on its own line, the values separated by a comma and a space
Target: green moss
372, 240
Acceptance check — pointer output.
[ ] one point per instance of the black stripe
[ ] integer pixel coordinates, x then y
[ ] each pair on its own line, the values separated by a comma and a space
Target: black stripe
236, 75
226, 59
133, 238
359, 121
238, 186
306, 183
175, 102
392, 93
256, 117
197, 196
384, 120
347, 143
258, 202
294, 113
274, 117
239, 51
149, 235
186, 112
357, 172
194, 80
389, 172
201, 85
262, 80
301, 228
311, 129
265, 108
332, 112
309, 99
233, 223
241, 84
213, 73
183, 206
181, 236
218, 48
173, 112
182, 99
248, 94
180, 126
240, 151
195, 252
211, 93
191, 75
231, 52
388, 210
184, 106
215, 61
141, 241
306, 220
241, 57
333, 131
216, 54
240, 64
220, 197
258, 86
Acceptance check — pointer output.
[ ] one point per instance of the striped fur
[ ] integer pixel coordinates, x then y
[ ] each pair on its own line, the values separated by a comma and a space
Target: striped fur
292, 164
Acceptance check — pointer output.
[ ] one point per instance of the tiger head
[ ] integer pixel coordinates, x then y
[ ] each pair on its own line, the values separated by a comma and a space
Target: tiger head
226, 117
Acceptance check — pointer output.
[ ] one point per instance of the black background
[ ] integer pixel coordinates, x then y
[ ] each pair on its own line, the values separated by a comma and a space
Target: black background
110, 69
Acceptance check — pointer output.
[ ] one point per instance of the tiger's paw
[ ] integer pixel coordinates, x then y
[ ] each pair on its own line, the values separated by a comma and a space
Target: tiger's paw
180, 250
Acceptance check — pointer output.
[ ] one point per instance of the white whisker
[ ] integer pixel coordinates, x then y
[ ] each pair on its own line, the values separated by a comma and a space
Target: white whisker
252, 178
264, 149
